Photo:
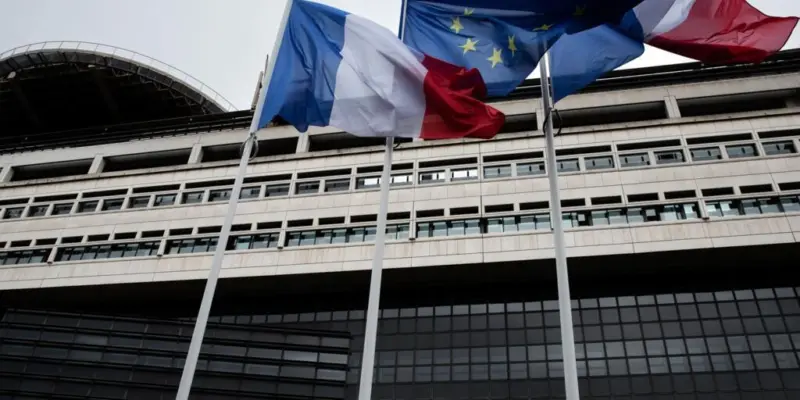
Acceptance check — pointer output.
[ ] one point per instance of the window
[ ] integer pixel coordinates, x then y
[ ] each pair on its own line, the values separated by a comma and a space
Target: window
251, 192
262, 241
112, 204
120, 250
431, 177
397, 232
277, 190
669, 157
307, 187
138, 202
535, 168
464, 174
790, 203
706, 154
164, 200
87, 206
38, 211
604, 162
775, 148
192, 197
370, 182
200, 245
337, 185
741, 150
61, 209
568, 165
634, 160
219, 195
497, 171
13, 213
24, 257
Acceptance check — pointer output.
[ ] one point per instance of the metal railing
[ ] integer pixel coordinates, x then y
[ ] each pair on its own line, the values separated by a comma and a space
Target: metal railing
127, 55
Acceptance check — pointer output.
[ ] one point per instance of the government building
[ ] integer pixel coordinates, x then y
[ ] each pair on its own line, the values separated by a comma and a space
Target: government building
681, 195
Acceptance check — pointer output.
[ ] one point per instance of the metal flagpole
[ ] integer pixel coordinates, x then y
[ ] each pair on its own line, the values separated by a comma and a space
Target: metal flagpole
564, 301
373, 304
216, 264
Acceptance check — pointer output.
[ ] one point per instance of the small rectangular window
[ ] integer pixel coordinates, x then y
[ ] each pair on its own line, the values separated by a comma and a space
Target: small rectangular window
568, 165
307, 187
497, 171
526, 169
138, 202
251, 192
593, 163
741, 150
164, 200
776, 148
61, 209
706, 154
277, 190
192, 197
219, 195
669, 157
337, 185
464, 174
87, 206
112, 204
38, 211
711, 192
634, 160
431, 177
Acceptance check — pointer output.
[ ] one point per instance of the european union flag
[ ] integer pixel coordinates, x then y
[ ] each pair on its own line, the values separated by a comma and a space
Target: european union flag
503, 39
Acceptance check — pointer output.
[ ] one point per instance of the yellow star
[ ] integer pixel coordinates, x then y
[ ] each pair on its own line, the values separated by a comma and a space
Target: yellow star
544, 27
579, 11
469, 45
496, 58
512, 45
457, 27
469, 11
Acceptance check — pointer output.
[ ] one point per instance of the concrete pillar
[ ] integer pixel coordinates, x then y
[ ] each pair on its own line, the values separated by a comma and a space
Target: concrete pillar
162, 247
52, 257
196, 156
671, 103
97, 165
303, 143
6, 173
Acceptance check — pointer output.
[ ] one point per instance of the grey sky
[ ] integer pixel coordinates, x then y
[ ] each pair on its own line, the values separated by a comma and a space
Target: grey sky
223, 43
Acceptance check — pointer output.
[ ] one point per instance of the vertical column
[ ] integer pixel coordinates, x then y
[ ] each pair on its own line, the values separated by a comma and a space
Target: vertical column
303, 143
540, 116
671, 103
97, 164
6, 173
196, 156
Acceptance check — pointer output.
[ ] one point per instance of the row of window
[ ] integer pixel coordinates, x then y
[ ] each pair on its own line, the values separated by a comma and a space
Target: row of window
566, 165
473, 226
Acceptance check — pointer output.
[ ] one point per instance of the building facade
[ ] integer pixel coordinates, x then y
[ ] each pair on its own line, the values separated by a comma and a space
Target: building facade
681, 196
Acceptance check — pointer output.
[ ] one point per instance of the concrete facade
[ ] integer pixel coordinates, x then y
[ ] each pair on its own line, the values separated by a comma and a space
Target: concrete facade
436, 182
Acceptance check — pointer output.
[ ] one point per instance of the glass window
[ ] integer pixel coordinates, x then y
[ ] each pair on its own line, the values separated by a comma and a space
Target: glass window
61, 209
38, 211
13, 213
706, 154
219, 195
138, 202
604, 162
192, 197
464, 174
741, 150
164, 200
722, 208
112, 204
568, 165
87, 206
402, 179
337, 185
277, 190
251, 192
669, 157
307, 187
535, 168
775, 148
634, 160
368, 182
431, 176
497, 171
790, 203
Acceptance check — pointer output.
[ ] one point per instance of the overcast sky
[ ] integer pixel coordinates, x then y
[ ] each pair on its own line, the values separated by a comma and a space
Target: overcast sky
223, 43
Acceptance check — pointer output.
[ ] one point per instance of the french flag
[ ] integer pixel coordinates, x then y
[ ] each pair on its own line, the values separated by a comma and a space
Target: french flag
713, 31
337, 69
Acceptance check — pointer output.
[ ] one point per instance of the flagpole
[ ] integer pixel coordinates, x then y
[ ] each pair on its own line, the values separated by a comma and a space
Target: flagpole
201, 322
564, 301
376, 276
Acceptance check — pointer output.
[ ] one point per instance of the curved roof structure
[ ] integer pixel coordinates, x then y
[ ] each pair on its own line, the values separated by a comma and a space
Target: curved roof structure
61, 86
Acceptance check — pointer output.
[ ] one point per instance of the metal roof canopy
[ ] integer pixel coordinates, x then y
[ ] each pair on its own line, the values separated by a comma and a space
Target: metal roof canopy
59, 86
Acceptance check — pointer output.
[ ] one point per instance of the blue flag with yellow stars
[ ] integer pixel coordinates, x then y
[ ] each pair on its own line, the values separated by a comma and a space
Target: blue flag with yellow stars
503, 39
